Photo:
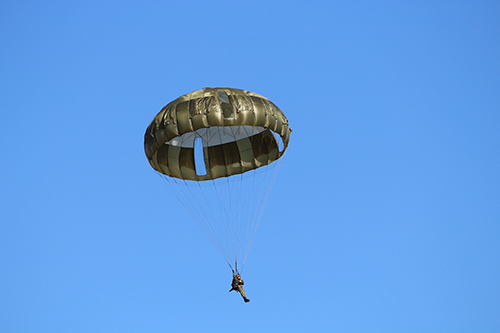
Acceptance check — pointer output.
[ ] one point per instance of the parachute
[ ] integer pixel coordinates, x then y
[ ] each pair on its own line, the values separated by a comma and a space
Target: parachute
219, 150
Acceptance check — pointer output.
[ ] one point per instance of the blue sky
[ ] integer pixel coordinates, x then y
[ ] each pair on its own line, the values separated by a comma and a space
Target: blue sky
385, 213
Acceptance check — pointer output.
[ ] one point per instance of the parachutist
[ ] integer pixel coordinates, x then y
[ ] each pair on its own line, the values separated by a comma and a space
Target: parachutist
237, 285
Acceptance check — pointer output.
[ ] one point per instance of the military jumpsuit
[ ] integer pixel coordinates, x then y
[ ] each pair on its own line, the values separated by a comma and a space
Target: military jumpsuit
237, 285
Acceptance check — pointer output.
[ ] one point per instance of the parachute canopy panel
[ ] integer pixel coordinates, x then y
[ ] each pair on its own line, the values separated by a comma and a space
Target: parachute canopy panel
239, 131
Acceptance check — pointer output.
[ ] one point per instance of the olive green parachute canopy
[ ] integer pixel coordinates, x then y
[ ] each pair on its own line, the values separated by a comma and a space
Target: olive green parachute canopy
219, 151
238, 130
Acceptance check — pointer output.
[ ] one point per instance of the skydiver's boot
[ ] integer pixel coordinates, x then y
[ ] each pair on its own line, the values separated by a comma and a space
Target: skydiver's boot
246, 300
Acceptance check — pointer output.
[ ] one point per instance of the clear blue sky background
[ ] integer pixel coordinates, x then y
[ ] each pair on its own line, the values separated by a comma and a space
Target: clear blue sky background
384, 216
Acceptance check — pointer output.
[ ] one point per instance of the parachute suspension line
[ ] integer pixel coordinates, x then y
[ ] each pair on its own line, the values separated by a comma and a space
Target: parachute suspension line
224, 214
231, 220
247, 208
217, 229
241, 213
249, 223
180, 193
234, 191
273, 170
236, 266
231, 234
230, 216
213, 225
197, 213
206, 218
